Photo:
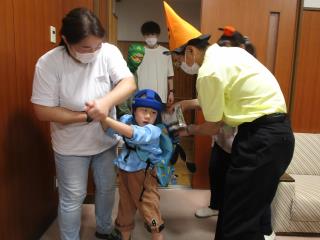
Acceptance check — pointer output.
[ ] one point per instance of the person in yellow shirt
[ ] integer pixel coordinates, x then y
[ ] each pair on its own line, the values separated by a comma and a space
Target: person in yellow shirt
222, 142
234, 88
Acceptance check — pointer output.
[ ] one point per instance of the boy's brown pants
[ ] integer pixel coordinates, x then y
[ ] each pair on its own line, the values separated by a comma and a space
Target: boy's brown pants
130, 188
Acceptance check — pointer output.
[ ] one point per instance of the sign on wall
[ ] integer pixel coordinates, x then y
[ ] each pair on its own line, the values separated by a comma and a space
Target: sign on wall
315, 4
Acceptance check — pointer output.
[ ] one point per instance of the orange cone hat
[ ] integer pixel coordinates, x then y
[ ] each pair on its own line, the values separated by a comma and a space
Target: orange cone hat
180, 31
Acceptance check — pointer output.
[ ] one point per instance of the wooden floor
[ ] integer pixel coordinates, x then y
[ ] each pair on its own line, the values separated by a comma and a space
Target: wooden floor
178, 204
177, 207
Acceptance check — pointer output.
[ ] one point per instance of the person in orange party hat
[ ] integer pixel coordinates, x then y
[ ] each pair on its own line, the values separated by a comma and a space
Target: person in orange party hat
222, 142
234, 88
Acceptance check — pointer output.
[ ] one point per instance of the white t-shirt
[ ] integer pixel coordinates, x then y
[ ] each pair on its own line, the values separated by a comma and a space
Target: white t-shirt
154, 71
61, 81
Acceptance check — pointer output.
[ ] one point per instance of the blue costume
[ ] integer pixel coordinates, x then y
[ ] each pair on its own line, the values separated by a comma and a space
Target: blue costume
147, 137
138, 185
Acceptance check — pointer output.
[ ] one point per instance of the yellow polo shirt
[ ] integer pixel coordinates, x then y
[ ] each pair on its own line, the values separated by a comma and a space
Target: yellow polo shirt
235, 87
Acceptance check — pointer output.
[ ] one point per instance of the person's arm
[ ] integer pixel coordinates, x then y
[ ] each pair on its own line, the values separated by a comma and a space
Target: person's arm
170, 91
122, 128
206, 128
58, 114
186, 105
170, 74
99, 108
46, 94
192, 104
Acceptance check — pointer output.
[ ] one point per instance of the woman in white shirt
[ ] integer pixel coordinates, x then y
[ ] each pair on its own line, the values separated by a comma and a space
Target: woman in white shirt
76, 85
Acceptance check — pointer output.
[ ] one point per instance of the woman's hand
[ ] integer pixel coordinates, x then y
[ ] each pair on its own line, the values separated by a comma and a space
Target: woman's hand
97, 110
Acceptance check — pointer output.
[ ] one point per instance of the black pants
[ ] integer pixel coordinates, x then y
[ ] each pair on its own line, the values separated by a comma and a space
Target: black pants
261, 152
218, 166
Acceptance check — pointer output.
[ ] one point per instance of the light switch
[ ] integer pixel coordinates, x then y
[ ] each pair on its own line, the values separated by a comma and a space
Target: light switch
53, 34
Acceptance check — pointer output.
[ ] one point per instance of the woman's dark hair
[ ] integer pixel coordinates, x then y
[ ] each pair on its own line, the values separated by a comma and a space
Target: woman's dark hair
78, 24
236, 39
150, 27
249, 46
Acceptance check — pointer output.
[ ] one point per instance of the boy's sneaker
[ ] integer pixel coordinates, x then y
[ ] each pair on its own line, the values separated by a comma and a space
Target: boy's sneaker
272, 236
206, 212
114, 235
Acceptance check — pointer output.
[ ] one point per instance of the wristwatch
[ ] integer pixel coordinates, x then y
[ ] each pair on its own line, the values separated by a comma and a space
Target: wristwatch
172, 90
89, 119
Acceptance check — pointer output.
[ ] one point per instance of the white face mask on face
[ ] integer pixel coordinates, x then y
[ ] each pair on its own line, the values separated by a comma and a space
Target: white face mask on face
191, 70
151, 41
86, 57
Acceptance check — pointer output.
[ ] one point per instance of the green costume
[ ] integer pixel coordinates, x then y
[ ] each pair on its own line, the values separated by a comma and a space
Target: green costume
135, 55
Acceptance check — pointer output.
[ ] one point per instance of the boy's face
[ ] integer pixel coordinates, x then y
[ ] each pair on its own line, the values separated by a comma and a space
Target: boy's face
145, 115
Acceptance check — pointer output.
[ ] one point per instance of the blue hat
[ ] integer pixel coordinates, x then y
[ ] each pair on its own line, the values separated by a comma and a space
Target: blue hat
147, 98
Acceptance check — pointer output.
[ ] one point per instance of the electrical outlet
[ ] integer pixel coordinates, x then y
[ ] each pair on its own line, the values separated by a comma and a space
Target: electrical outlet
53, 34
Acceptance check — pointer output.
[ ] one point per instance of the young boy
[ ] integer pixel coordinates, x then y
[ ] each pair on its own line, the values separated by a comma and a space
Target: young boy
138, 183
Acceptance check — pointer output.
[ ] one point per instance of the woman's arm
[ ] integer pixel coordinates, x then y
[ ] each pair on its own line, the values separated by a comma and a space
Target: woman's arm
122, 128
98, 109
58, 114
121, 92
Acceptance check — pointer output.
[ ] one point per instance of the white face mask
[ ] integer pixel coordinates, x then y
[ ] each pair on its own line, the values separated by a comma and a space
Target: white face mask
86, 57
191, 70
151, 41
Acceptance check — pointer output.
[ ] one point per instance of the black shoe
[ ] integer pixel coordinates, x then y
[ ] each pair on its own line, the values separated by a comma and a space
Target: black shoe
114, 235
191, 167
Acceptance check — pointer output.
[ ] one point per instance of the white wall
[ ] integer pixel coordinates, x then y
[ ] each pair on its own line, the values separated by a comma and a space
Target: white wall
133, 13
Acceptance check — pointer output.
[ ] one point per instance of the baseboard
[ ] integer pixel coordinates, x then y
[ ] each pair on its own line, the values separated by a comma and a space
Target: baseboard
298, 234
